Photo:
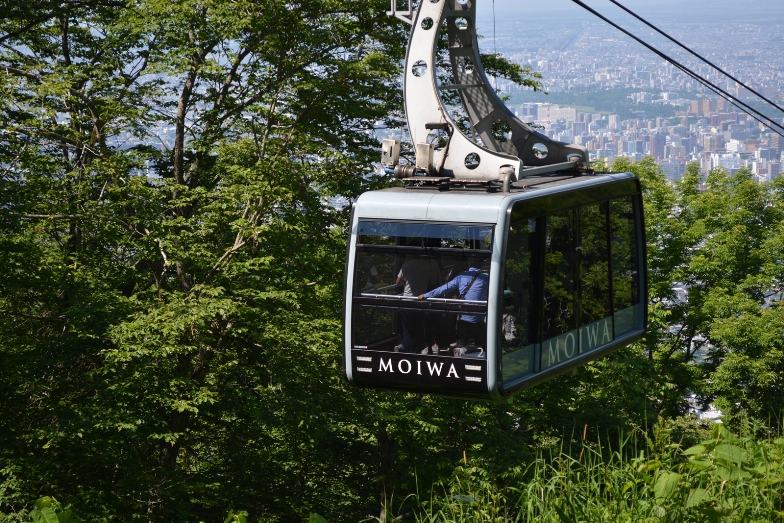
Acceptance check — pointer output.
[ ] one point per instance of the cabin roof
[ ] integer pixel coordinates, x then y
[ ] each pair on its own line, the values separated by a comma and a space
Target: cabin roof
467, 204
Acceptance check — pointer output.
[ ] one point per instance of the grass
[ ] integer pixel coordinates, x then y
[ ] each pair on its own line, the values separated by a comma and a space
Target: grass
726, 478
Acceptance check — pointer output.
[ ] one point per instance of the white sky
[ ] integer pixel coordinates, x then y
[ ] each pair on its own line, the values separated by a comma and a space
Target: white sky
695, 10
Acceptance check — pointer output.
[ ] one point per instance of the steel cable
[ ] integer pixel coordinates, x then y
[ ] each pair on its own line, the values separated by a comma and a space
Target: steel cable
672, 39
716, 89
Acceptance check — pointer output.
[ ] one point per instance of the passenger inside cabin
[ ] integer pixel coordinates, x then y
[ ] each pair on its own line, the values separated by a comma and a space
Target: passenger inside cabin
417, 275
471, 285
373, 281
509, 322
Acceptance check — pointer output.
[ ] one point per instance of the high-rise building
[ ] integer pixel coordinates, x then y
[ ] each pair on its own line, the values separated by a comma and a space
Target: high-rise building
673, 169
713, 142
635, 147
658, 141
730, 162
764, 153
675, 151
719, 118
776, 143
774, 169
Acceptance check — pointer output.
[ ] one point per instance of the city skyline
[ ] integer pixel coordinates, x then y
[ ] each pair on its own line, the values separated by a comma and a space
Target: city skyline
577, 53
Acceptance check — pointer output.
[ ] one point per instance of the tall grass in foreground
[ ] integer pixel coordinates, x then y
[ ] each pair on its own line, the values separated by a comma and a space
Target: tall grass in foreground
724, 479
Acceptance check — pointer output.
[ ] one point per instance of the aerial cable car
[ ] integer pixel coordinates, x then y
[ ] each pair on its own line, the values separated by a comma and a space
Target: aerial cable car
503, 260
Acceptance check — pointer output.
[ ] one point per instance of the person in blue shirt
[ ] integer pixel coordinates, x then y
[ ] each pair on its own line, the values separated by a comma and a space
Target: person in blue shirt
472, 285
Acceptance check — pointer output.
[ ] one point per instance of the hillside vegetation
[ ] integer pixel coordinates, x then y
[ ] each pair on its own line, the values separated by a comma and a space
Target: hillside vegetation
172, 273
724, 478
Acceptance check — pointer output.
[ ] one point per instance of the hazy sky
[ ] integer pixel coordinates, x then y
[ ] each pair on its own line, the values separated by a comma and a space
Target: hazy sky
654, 10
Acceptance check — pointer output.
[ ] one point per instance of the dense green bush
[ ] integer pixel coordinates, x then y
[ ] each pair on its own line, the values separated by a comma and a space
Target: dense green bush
725, 478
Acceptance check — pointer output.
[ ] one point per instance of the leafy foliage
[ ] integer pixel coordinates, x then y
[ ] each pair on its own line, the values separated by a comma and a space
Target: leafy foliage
49, 510
172, 266
725, 478
171, 301
171, 305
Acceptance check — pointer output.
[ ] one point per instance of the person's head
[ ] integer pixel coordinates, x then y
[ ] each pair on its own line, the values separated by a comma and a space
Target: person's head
508, 298
475, 262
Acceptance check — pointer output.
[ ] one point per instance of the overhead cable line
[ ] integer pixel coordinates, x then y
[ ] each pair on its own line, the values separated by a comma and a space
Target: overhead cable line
716, 89
694, 53
495, 47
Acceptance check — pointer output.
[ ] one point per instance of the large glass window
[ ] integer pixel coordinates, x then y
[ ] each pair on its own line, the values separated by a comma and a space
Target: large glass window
595, 299
422, 288
627, 303
572, 284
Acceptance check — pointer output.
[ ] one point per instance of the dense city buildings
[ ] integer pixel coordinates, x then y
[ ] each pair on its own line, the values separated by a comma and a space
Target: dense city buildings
728, 139
581, 58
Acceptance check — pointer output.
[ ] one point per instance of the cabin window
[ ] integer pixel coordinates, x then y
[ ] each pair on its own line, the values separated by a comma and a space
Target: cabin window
596, 326
559, 317
519, 318
572, 284
626, 267
396, 262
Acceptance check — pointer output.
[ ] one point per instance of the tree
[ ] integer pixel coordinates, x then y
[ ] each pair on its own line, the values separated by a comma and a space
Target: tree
171, 302
718, 239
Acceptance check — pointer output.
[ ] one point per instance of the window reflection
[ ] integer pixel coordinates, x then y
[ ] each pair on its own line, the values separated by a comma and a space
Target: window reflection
559, 264
625, 261
518, 319
559, 338
595, 299
594, 264
448, 265
572, 284
426, 235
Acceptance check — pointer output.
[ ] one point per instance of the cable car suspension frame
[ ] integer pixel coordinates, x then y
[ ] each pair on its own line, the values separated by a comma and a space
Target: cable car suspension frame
489, 157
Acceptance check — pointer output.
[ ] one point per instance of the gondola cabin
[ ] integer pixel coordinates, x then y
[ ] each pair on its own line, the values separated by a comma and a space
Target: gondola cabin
481, 294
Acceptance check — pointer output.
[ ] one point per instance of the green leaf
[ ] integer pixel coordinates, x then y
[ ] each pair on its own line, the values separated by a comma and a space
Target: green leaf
695, 497
696, 450
730, 453
45, 501
315, 518
666, 484
699, 464
48, 515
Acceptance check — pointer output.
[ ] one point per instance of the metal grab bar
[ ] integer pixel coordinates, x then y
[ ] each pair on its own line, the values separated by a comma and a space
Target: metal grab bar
414, 298
393, 286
